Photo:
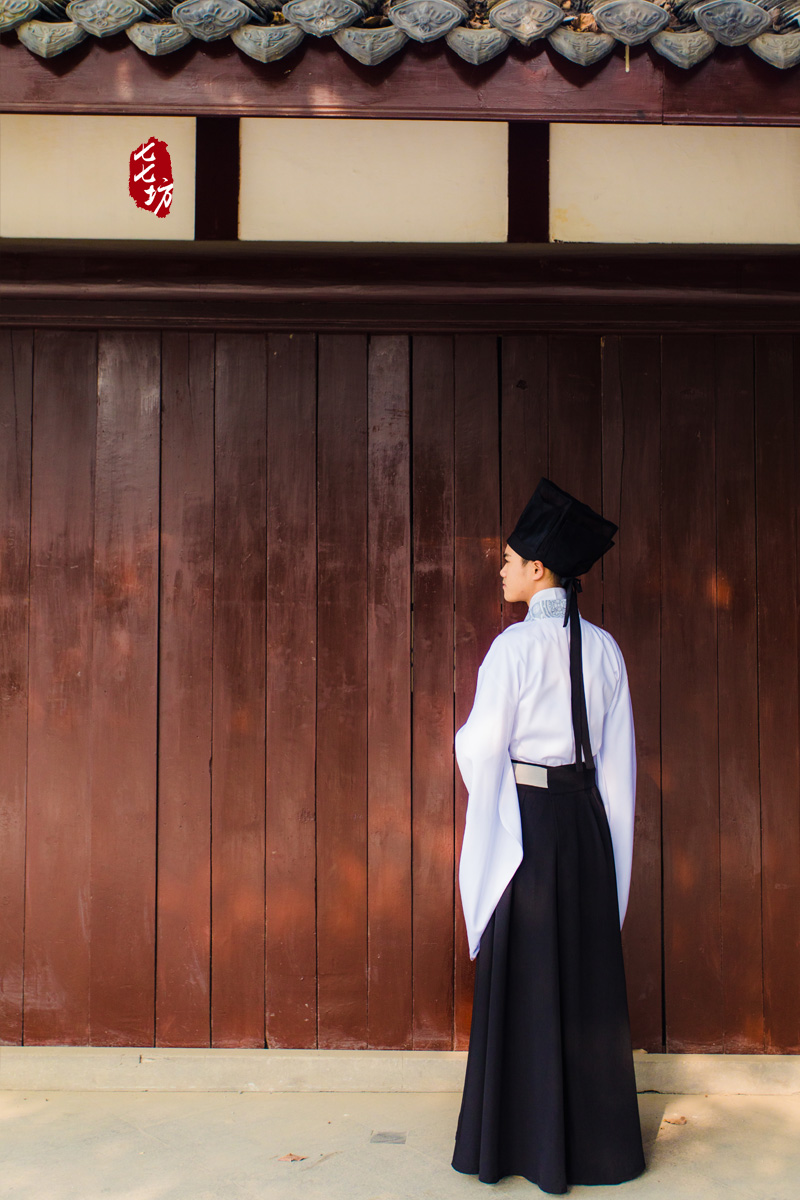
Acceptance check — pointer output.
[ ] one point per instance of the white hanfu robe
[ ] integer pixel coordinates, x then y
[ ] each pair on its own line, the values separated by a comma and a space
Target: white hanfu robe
522, 712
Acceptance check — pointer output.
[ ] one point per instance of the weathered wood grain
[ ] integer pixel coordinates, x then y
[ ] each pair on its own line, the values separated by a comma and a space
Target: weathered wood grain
16, 395
732, 87
59, 807
696, 449
690, 770
238, 774
342, 456
632, 614
435, 890
779, 760
183, 916
389, 695
401, 288
737, 690
291, 964
318, 80
575, 433
478, 588
124, 732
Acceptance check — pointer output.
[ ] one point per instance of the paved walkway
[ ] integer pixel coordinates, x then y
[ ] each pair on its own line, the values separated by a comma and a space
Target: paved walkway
230, 1146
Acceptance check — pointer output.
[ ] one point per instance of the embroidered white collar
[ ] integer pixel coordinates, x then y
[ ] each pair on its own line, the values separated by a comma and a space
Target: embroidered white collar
552, 602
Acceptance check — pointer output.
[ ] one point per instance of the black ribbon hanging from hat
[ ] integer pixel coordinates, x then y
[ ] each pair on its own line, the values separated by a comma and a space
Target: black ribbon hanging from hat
580, 719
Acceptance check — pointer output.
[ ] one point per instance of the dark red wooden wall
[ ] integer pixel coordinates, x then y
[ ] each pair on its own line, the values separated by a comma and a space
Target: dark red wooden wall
247, 581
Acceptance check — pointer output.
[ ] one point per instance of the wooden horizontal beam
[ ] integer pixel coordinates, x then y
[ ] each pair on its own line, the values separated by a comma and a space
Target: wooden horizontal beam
422, 81
392, 287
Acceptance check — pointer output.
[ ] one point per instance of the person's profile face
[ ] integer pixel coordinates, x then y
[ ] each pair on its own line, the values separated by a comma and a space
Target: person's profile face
519, 577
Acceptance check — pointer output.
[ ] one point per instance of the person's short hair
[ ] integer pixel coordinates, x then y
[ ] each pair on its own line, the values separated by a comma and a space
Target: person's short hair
558, 579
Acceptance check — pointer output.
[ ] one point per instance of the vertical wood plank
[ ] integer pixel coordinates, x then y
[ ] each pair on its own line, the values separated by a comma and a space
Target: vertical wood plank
477, 572
291, 962
342, 692
238, 728
60, 690
690, 783
523, 432
737, 688
389, 695
432, 696
575, 433
16, 395
776, 501
183, 918
632, 613
124, 690
796, 499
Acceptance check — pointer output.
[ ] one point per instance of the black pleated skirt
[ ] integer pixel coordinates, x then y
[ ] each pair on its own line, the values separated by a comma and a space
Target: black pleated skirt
550, 1092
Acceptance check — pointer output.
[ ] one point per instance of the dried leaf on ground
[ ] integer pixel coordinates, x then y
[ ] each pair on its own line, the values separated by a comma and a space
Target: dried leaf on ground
292, 1158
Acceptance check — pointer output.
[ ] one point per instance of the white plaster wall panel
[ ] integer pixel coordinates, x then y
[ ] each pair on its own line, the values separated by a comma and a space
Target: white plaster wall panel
67, 177
650, 183
317, 179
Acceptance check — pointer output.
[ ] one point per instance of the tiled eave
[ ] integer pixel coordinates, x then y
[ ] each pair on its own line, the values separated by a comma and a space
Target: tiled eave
109, 75
581, 32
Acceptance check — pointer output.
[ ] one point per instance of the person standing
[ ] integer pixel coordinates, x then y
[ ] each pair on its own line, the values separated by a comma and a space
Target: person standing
548, 758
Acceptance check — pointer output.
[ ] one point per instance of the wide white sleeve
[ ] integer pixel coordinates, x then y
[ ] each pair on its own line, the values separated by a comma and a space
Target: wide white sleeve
492, 846
616, 779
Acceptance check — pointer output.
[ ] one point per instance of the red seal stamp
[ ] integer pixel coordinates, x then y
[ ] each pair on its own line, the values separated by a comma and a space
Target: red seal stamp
150, 177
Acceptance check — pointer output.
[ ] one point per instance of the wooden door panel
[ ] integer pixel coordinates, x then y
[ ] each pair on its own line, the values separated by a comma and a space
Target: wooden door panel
59, 800
124, 690
776, 509
632, 614
737, 692
243, 616
183, 981
239, 660
16, 396
690, 772
435, 889
342, 721
389, 695
291, 929
478, 589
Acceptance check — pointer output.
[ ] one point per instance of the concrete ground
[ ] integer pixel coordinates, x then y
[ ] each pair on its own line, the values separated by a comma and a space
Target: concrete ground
231, 1146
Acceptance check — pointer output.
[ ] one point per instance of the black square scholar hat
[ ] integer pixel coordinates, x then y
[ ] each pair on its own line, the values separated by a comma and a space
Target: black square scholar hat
561, 532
